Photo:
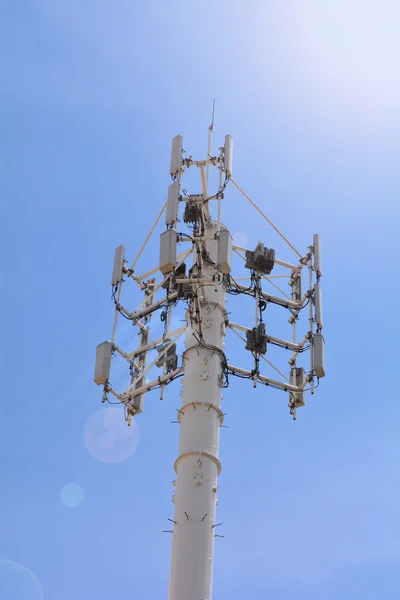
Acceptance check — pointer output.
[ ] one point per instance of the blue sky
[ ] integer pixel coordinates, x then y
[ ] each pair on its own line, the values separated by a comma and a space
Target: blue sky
92, 93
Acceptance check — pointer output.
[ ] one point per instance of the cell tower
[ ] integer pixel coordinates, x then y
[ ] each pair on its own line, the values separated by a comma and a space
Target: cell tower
200, 278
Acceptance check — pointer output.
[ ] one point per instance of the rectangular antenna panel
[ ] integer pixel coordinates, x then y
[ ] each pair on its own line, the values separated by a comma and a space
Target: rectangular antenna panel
118, 265
172, 204
228, 155
319, 355
317, 255
297, 378
168, 241
176, 155
225, 251
103, 363
318, 305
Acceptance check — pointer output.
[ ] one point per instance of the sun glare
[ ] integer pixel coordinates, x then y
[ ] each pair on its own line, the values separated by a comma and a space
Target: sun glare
350, 48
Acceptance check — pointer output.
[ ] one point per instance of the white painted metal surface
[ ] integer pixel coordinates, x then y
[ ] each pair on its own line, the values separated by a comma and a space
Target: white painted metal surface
197, 467
103, 363
228, 151
319, 355
118, 265
168, 251
176, 155
225, 250
318, 306
171, 213
317, 255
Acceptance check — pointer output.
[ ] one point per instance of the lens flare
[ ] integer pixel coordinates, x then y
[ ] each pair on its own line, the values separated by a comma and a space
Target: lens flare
107, 436
17, 582
72, 495
240, 239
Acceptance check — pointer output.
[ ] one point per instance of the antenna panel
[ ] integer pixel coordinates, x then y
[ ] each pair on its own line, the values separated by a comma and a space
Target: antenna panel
103, 363
171, 214
118, 265
176, 155
317, 255
225, 251
319, 355
297, 378
228, 155
318, 305
168, 241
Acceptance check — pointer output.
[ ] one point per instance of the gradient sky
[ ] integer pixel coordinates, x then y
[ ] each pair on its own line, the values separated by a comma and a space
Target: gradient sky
92, 92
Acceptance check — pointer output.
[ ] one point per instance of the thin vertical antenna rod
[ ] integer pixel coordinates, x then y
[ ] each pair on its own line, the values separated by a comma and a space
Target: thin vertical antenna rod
210, 132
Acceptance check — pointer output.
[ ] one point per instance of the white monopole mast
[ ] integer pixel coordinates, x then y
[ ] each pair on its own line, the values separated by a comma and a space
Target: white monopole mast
200, 278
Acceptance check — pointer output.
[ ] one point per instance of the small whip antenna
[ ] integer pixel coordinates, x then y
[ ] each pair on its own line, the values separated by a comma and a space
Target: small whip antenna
210, 132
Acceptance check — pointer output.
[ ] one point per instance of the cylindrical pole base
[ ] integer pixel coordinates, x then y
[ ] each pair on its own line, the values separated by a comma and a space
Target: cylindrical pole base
197, 467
